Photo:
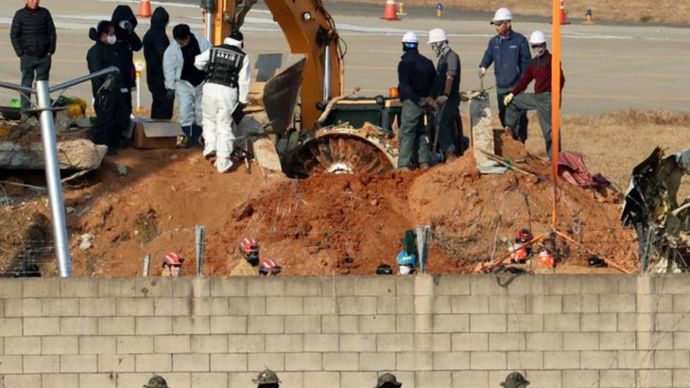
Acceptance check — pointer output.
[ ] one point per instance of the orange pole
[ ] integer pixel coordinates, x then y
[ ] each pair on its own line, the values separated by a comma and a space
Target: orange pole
555, 103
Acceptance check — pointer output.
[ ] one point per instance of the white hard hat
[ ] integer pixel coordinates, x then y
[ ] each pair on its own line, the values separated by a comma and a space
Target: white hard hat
410, 37
437, 35
501, 15
537, 37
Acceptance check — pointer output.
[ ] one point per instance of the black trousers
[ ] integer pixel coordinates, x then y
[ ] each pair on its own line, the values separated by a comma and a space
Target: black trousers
162, 106
33, 68
112, 118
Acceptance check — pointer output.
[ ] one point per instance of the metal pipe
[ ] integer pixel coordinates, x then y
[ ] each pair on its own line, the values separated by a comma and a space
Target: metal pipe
52, 165
327, 74
84, 78
19, 88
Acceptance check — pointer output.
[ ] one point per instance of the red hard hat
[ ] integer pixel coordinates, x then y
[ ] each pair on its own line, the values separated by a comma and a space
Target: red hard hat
172, 258
249, 245
269, 267
523, 236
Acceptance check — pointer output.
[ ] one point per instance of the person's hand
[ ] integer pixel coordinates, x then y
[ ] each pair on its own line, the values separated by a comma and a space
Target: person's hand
508, 99
441, 100
482, 72
170, 94
472, 94
126, 25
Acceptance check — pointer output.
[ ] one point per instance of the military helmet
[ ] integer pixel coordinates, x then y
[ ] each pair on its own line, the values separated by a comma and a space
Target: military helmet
387, 378
156, 382
515, 380
266, 376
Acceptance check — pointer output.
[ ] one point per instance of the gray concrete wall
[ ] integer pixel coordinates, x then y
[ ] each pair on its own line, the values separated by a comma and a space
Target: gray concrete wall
562, 331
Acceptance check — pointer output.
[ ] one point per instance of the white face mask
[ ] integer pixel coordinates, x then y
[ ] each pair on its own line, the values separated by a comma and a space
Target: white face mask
405, 270
538, 51
112, 39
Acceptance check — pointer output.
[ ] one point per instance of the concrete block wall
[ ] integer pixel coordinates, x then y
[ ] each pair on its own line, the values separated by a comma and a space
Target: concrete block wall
466, 331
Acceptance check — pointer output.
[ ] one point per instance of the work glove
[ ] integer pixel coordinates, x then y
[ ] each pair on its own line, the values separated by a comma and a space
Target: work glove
441, 100
126, 25
482, 72
472, 94
170, 94
508, 99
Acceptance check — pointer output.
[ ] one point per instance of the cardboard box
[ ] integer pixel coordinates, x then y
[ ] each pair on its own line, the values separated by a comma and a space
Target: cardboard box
156, 134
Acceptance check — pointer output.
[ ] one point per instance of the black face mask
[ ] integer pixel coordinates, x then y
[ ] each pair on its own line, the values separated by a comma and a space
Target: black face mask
253, 258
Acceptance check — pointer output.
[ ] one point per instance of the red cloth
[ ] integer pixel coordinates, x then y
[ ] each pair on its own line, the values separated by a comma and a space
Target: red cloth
572, 168
538, 70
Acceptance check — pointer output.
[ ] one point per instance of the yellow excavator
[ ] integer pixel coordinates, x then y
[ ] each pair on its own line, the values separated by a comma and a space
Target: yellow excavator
330, 132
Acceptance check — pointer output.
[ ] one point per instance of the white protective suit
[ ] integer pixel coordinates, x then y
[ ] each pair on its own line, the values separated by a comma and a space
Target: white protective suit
219, 103
189, 98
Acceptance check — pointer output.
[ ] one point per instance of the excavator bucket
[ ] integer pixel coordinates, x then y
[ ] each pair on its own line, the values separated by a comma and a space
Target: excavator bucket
282, 89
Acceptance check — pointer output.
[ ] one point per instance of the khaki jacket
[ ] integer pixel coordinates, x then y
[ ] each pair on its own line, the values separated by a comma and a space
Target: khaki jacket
243, 268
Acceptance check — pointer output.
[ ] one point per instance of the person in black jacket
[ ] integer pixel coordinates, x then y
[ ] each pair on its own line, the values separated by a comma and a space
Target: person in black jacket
33, 38
155, 43
416, 75
127, 42
111, 109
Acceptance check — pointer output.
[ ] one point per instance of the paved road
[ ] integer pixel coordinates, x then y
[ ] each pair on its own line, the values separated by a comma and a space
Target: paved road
607, 67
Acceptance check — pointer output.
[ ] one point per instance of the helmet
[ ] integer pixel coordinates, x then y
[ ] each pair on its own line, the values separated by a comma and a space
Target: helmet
249, 247
266, 376
269, 267
405, 258
387, 378
546, 259
437, 35
515, 380
156, 382
410, 37
384, 269
523, 236
172, 258
537, 37
502, 15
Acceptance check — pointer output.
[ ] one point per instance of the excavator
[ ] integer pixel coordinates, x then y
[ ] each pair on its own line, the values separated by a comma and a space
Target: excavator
318, 128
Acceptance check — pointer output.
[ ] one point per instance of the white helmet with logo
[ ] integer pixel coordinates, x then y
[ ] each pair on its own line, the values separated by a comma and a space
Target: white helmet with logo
502, 15
537, 37
437, 35
410, 37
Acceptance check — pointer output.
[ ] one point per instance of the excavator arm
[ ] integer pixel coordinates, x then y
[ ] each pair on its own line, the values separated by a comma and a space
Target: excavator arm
308, 29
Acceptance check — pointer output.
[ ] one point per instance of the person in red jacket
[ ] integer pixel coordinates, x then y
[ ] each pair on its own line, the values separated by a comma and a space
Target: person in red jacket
539, 71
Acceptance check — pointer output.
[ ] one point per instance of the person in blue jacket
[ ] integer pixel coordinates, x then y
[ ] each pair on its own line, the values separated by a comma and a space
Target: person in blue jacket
509, 52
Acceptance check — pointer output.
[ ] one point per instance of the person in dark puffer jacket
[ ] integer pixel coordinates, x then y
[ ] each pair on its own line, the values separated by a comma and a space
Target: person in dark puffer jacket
33, 39
127, 42
155, 43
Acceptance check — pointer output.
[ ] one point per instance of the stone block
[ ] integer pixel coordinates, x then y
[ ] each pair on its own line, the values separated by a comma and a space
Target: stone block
525, 322
97, 307
11, 288
128, 380
303, 362
654, 341
377, 361
487, 323
656, 303
200, 379
406, 323
617, 378
154, 287
228, 325
673, 284
562, 285
322, 379
633, 359
11, 327
562, 360
654, 378
138, 307
153, 325
228, 362
680, 303
580, 341
41, 287
192, 287
75, 326
42, 326
26, 307
191, 362
470, 341
97, 345
228, 286
356, 305
452, 361
63, 380
598, 360
602, 322
266, 325
672, 322
116, 288
191, 325
617, 341
397, 304
209, 344
21, 381
271, 286
307, 324
672, 359
525, 360
681, 377
173, 307
357, 343
242, 380
601, 284
135, 344
544, 341
81, 363
488, 360
341, 361
255, 305
432, 379
475, 304
40, 364
344, 324
155, 363
507, 341
116, 326
617, 304
451, 323
284, 343
303, 287
475, 379
284, 305
254, 343
507, 304
63, 307
414, 361
209, 307
395, 342
452, 285
259, 361
116, 363
319, 305
357, 379
11, 365
59, 345
544, 304
376, 323
581, 303
433, 342
321, 343
580, 378
424, 323
375, 286
23, 345
562, 322
544, 378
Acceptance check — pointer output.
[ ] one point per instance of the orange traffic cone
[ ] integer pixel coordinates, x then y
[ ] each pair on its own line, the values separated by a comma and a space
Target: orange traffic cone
389, 12
144, 9
563, 15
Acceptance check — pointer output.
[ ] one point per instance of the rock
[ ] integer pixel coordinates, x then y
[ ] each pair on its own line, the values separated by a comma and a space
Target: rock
86, 241
121, 169
70, 210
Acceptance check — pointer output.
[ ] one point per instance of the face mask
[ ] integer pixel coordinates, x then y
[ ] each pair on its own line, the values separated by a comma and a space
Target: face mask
175, 270
112, 39
405, 270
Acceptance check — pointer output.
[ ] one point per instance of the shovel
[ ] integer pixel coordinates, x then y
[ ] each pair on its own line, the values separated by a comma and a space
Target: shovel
436, 156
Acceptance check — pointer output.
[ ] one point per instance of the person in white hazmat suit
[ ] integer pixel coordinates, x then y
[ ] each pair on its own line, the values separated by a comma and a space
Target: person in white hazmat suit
225, 96
184, 81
